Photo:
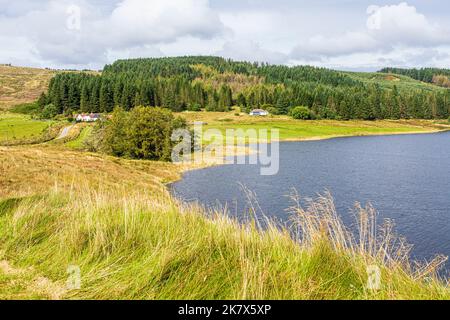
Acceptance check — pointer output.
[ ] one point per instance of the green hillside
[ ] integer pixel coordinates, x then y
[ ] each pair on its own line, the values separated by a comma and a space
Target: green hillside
217, 84
437, 76
389, 81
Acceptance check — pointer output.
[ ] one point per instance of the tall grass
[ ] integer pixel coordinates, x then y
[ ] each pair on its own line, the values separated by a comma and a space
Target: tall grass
130, 244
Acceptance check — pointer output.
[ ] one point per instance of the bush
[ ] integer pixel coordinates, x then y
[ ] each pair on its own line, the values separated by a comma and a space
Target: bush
50, 111
272, 110
194, 107
448, 119
267, 106
26, 108
142, 133
302, 113
328, 114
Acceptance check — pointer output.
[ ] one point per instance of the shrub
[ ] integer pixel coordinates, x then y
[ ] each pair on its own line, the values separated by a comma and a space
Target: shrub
142, 133
273, 111
50, 111
194, 107
267, 106
302, 113
328, 114
26, 108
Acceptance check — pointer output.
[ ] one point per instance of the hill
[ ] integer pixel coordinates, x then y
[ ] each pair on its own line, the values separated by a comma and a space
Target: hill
20, 85
217, 84
438, 76
390, 80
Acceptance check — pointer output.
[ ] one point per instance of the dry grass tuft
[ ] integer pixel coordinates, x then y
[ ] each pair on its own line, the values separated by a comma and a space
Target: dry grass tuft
374, 242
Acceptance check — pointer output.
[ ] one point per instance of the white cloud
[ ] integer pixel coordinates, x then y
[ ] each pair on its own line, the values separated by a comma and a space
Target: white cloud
388, 28
52, 30
134, 52
35, 32
403, 25
142, 21
250, 51
370, 61
320, 46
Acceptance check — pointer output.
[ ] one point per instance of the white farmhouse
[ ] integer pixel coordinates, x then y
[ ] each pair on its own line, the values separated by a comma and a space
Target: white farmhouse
93, 117
259, 112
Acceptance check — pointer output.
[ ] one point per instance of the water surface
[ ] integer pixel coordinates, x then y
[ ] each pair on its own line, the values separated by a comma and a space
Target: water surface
405, 177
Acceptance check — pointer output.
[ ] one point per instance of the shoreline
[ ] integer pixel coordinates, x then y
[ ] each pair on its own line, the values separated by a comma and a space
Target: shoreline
365, 135
189, 167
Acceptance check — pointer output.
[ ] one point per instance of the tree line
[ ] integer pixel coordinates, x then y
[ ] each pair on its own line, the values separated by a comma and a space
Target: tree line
177, 84
428, 75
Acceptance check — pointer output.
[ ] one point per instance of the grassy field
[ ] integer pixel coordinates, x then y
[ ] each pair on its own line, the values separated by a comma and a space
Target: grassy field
115, 221
19, 127
296, 130
78, 143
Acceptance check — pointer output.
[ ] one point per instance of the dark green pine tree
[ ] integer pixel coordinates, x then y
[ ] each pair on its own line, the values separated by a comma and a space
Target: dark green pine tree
241, 101
42, 101
95, 98
138, 100
198, 94
128, 98
213, 100
251, 100
144, 95
283, 104
73, 97
225, 99
117, 95
63, 96
84, 100
345, 110
170, 100
106, 98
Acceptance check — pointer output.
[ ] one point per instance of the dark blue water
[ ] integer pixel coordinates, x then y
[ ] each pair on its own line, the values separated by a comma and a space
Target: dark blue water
406, 178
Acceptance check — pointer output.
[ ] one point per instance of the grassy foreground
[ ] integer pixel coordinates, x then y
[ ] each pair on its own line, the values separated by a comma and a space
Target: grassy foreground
115, 220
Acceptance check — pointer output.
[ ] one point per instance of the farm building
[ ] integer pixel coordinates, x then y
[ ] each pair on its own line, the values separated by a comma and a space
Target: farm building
259, 112
93, 117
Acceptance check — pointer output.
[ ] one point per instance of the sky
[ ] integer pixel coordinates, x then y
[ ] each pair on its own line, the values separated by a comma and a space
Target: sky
346, 35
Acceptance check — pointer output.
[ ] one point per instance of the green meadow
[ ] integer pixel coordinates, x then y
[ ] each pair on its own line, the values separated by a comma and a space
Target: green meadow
78, 143
17, 126
303, 130
297, 130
